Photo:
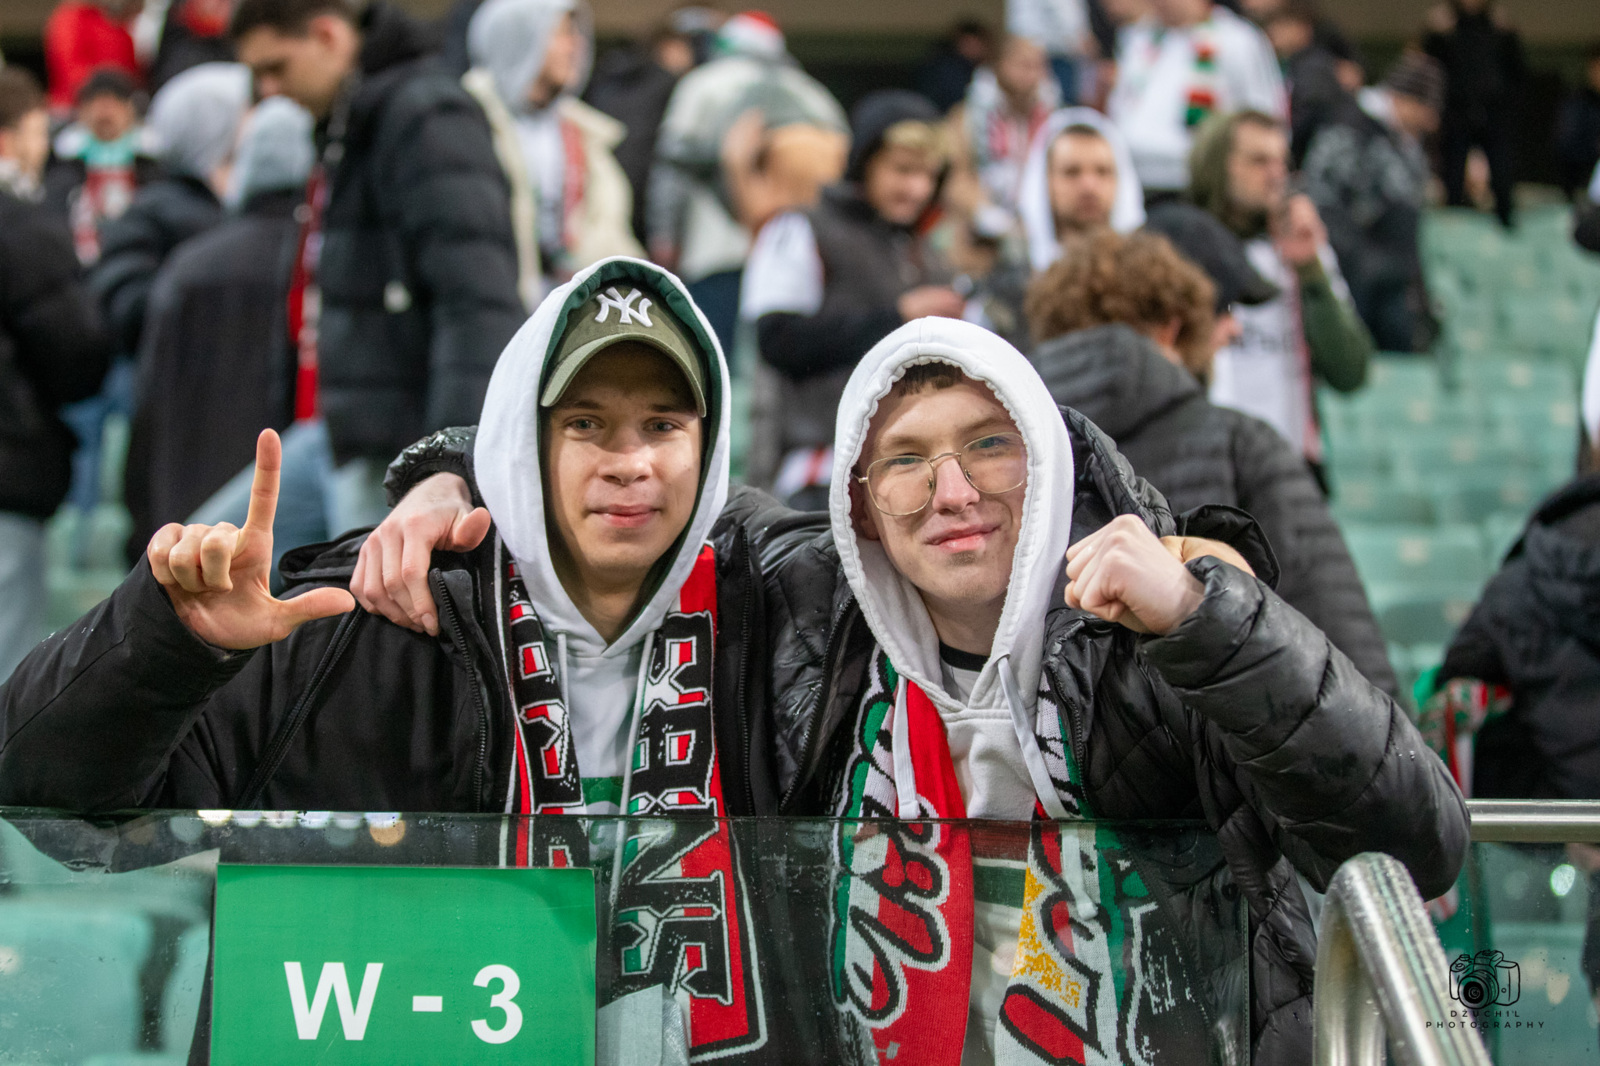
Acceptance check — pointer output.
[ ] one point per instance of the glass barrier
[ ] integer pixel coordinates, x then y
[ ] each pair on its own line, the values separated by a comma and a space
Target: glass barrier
1521, 933
748, 940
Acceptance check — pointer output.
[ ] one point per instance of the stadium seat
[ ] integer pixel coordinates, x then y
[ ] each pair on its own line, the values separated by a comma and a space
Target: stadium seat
69, 980
1378, 501
1401, 563
1425, 620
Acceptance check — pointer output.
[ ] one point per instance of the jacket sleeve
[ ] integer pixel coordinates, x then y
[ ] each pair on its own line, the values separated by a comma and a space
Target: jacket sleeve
452, 209
61, 345
1340, 345
803, 346
1333, 765
1319, 578
448, 451
95, 717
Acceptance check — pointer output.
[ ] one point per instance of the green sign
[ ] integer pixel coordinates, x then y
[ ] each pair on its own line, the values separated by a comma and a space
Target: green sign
398, 965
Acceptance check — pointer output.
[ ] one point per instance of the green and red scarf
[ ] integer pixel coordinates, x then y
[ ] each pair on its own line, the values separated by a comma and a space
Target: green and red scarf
1092, 967
680, 913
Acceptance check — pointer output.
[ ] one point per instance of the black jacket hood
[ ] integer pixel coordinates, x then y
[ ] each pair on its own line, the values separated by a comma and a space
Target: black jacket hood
1115, 376
873, 117
1562, 548
390, 36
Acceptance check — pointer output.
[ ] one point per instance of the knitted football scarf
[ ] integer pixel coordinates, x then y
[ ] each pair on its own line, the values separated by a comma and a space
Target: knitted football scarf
680, 918
1091, 966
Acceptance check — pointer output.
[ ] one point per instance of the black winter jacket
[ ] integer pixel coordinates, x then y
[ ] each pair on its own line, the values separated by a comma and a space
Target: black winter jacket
1247, 717
418, 272
1197, 453
163, 215
215, 363
52, 351
400, 721
1537, 631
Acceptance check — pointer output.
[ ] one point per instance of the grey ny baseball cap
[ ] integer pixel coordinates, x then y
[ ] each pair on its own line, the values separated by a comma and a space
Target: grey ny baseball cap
617, 313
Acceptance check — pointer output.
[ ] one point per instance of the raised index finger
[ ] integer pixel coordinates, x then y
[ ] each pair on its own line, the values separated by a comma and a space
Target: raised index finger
264, 489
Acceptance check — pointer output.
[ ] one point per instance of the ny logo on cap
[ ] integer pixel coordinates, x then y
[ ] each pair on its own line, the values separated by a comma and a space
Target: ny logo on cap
627, 314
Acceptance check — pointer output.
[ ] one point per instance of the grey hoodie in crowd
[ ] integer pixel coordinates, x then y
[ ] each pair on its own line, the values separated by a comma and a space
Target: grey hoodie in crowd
196, 115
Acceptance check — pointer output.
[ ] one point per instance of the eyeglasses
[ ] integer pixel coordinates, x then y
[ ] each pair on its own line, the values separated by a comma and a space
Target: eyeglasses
902, 485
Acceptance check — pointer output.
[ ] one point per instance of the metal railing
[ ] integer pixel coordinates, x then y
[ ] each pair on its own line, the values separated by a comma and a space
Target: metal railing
1380, 970
1535, 821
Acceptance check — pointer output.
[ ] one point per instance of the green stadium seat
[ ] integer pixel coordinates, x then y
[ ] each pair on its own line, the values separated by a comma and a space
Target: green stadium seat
180, 1000
1381, 502
1401, 563
1552, 324
69, 980
1475, 499
1413, 375
1500, 532
1426, 619
1360, 459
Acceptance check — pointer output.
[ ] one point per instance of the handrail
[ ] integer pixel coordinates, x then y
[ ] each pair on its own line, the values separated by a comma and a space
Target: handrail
1380, 969
1535, 821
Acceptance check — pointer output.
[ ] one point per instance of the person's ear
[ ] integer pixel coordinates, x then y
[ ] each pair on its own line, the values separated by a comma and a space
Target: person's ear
863, 516
1167, 335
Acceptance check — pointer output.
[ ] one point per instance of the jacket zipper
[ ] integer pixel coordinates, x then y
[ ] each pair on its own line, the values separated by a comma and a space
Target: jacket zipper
453, 623
829, 653
1074, 720
744, 671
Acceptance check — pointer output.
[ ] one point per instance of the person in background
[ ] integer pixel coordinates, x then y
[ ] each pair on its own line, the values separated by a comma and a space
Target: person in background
209, 382
1126, 328
52, 351
1310, 70
194, 122
1367, 172
100, 160
693, 228
1184, 62
192, 32
944, 75
1004, 109
1240, 175
81, 37
570, 202
1061, 28
1578, 127
633, 85
1485, 69
1079, 178
1326, 33
823, 285
405, 283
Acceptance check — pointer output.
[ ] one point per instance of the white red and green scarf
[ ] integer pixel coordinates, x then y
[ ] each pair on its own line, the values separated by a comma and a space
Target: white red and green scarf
680, 914
1092, 969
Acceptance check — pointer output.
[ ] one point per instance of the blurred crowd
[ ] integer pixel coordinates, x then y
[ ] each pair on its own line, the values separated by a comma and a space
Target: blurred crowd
329, 218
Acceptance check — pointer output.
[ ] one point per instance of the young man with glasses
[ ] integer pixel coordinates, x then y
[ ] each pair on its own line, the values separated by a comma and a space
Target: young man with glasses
929, 663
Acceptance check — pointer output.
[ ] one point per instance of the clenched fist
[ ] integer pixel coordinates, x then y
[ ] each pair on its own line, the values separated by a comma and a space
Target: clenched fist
1124, 573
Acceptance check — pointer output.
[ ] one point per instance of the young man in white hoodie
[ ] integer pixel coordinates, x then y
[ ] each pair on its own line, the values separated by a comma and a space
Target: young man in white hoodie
572, 667
927, 664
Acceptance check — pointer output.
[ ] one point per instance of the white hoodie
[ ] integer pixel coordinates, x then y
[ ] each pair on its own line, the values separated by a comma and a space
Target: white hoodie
989, 760
600, 680
1033, 198
991, 733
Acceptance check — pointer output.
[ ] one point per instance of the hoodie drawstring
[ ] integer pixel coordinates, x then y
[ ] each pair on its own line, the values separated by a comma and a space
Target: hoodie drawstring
905, 774
627, 766
1043, 788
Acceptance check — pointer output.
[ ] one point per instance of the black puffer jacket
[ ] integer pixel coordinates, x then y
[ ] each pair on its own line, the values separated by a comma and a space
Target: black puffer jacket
442, 741
52, 351
1247, 717
1197, 453
418, 270
163, 215
1537, 631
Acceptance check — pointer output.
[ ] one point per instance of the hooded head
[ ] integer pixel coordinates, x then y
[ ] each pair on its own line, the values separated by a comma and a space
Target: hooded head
964, 544
1034, 199
565, 483
511, 39
1239, 169
275, 152
195, 117
898, 155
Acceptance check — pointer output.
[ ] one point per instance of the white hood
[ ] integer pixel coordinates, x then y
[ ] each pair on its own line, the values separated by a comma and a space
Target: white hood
509, 38
1033, 197
891, 605
507, 455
